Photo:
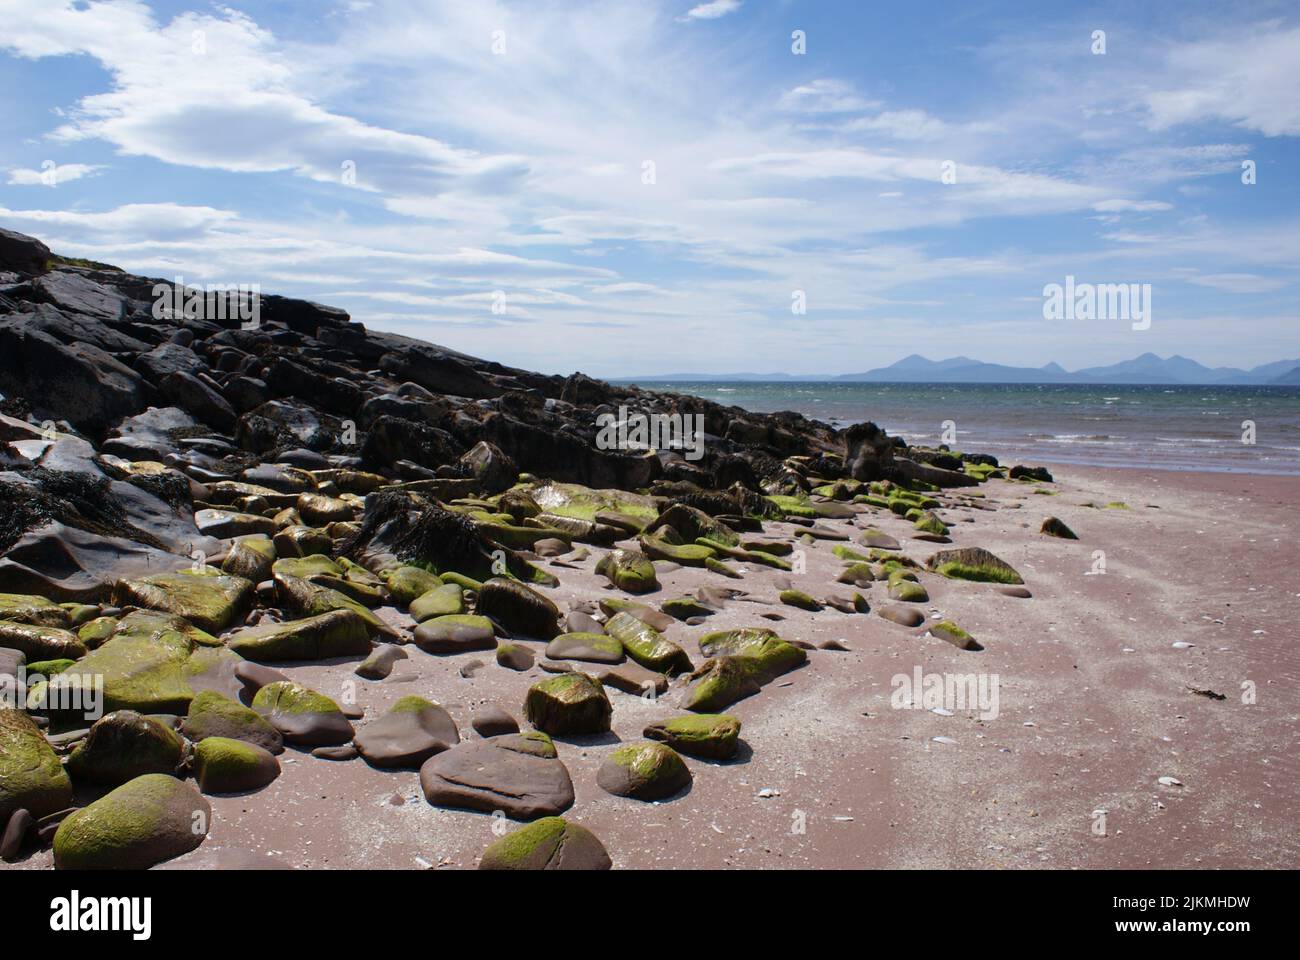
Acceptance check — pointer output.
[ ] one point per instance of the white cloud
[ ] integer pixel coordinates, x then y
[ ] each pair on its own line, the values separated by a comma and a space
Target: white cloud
52, 175
1120, 205
712, 10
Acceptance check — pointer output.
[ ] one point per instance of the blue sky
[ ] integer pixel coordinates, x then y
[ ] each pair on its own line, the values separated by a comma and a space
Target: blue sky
500, 154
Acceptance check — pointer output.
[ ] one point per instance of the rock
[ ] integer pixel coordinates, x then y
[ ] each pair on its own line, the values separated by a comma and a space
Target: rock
514, 657
721, 681
713, 736
489, 466
198, 399
318, 510
1018, 592
303, 716
902, 616
648, 770
22, 254
647, 646
951, 633
973, 563
685, 608
21, 825
441, 601
250, 558
143, 822
772, 656
254, 676
631, 677
412, 731
872, 537
41, 643
37, 611
339, 633
341, 753
380, 663
518, 774
797, 598
122, 746
214, 715
518, 609
31, 777
610, 606
223, 765
455, 634
308, 600
570, 703
908, 590
1056, 528
592, 647
489, 720
551, 843
209, 600
628, 570
406, 583
1032, 473
224, 524
150, 664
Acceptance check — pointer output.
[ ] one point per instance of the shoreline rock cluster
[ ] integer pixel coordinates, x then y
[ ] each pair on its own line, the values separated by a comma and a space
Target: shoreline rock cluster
191, 509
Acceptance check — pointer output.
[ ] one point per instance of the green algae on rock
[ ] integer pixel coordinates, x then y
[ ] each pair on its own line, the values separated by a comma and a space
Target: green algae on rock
303, 716
224, 765
647, 646
713, 736
122, 746
31, 777
551, 843
210, 600
629, 570
593, 647
570, 703
139, 824
518, 608
457, 633
647, 770
973, 563
405, 583
213, 715
444, 600
339, 633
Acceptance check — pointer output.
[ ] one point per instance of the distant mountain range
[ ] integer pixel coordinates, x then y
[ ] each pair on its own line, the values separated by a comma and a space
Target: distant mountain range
1147, 368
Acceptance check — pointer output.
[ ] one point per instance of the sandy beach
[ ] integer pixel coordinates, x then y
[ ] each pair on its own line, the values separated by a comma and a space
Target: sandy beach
1095, 706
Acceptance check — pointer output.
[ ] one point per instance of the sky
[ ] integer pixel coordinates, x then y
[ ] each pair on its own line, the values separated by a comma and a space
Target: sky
637, 187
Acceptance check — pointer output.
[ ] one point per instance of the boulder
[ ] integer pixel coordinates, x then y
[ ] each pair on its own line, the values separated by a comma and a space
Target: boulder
213, 715
223, 765
339, 633
713, 736
412, 731
141, 823
31, 777
647, 770
304, 717
122, 746
551, 843
571, 703
518, 774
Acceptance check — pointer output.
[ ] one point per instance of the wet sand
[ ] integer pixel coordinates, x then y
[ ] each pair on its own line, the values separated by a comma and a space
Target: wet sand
1095, 704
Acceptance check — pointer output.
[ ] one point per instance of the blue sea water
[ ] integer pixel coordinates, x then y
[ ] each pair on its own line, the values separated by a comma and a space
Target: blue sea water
1161, 426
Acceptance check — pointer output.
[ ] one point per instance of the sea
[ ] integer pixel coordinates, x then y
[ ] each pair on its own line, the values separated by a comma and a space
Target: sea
1238, 429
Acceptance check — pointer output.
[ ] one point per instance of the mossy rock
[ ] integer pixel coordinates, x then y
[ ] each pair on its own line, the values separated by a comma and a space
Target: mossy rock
797, 598
772, 655
584, 503
628, 570
342, 576
692, 524
40, 642
31, 776
141, 823
591, 647
856, 573
848, 554
723, 569
339, 633
648, 770
518, 609
687, 554
144, 666
122, 746
213, 715
551, 843
683, 608
973, 563
29, 608
720, 682
319, 510
1057, 528
49, 668
297, 540
793, 506
713, 736
223, 765
444, 600
462, 581
570, 703
458, 633
211, 601
309, 599
523, 538
647, 646
909, 591
95, 632
747, 556
405, 583
251, 558
927, 522
948, 631
303, 716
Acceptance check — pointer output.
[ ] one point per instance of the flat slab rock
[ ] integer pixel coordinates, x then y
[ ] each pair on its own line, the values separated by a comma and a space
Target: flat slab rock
520, 776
